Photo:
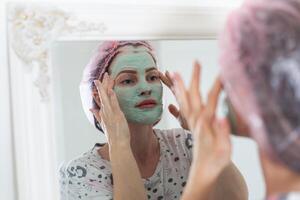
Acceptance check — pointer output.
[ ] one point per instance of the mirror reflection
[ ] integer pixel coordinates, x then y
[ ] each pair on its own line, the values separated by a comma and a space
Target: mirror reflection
146, 125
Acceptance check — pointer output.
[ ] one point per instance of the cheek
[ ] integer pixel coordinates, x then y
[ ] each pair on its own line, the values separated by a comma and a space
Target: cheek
125, 94
119, 92
129, 94
157, 88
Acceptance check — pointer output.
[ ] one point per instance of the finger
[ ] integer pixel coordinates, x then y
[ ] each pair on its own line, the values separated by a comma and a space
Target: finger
105, 103
196, 131
114, 101
195, 77
105, 82
195, 90
96, 114
181, 94
168, 75
165, 80
208, 130
111, 93
213, 98
202, 130
173, 110
111, 83
222, 133
96, 97
224, 127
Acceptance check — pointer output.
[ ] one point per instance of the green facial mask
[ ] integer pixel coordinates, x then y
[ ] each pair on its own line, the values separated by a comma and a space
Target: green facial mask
129, 96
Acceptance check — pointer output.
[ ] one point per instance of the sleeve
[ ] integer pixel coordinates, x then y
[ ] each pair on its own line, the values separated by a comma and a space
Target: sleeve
76, 184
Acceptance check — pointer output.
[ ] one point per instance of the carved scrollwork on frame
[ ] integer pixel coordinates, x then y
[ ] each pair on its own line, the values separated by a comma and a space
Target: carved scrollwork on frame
32, 29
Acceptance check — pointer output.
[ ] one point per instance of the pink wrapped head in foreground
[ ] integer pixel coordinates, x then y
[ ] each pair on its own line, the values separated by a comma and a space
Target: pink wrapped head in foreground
260, 69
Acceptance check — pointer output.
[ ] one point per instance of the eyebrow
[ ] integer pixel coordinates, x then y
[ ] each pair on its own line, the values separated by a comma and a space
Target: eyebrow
127, 71
133, 71
150, 69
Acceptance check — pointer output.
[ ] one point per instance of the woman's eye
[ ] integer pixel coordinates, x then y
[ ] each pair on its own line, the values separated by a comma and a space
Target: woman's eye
127, 82
153, 78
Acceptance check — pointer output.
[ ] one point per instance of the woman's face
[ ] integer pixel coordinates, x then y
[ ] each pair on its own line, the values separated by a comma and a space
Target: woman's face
137, 85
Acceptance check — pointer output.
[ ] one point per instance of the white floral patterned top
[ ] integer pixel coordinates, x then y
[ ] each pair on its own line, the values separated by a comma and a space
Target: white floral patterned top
90, 177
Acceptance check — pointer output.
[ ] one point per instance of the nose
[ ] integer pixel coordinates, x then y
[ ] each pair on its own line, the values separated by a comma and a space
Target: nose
144, 89
145, 92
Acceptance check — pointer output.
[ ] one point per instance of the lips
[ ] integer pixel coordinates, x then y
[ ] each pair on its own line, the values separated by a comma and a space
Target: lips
147, 104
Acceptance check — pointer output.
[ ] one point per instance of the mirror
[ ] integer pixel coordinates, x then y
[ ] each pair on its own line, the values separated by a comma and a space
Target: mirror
76, 136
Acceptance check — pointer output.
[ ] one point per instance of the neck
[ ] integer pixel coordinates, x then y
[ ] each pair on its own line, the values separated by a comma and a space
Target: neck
143, 141
279, 179
144, 145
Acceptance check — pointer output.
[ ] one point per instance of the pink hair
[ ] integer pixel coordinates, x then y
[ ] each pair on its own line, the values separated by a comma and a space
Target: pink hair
260, 57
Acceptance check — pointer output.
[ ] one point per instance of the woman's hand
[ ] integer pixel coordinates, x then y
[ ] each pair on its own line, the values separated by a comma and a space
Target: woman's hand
166, 79
212, 147
115, 126
110, 116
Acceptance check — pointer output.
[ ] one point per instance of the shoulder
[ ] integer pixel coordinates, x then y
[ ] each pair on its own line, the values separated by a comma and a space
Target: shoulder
84, 176
82, 165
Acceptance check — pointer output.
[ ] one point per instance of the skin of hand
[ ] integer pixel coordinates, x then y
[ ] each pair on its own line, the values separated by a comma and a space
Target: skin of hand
212, 147
167, 80
115, 126
110, 116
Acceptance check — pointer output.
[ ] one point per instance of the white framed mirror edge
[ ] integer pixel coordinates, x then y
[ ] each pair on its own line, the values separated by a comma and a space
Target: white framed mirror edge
32, 28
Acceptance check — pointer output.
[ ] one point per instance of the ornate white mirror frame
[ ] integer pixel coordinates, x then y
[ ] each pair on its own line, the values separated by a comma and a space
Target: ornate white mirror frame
32, 28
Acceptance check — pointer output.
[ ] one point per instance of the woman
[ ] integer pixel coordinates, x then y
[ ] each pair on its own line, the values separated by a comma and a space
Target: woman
260, 71
122, 95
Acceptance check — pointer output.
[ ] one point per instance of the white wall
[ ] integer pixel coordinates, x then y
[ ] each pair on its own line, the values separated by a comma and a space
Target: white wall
74, 133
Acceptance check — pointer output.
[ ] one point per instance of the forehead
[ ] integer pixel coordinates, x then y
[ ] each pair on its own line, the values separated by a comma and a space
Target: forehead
133, 48
131, 57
